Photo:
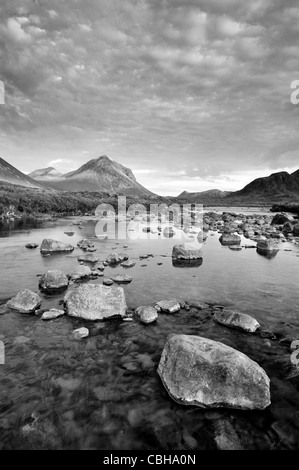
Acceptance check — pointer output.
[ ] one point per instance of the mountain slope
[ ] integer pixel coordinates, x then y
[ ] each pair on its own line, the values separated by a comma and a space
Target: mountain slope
203, 196
279, 185
45, 174
100, 174
9, 174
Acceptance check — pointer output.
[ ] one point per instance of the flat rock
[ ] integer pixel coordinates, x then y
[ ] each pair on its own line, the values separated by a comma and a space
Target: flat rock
233, 319
168, 306
121, 278
53, 246
89, 258
107, 281
52, 314
128, 264
146, 314
96, 302
208, 374
25, 301
53, 281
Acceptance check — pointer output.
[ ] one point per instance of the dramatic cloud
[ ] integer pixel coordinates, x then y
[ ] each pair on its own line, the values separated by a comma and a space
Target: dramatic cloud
190, 94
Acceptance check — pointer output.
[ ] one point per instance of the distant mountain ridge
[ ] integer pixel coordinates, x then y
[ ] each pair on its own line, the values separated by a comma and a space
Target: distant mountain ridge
98, 174
45, 174
203, 195
10, 174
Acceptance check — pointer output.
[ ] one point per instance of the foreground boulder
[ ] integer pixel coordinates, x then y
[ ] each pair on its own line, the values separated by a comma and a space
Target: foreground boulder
202, 372
240, 321
96, 302
185, 252
25, 301
168, 306
229, 239
53, 246
53, 281
146, 314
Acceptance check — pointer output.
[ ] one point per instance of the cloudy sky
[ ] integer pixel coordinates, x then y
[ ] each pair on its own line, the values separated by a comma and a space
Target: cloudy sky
190, 94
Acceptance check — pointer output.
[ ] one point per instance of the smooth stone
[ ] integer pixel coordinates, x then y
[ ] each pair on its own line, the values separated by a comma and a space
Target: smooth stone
81, 272
233, 319
208, 374
25, 301
52, 314
81, 333
96, 302
146, 314
53, 281
169, 306
107, 281
53, 246
31, 245
101, 267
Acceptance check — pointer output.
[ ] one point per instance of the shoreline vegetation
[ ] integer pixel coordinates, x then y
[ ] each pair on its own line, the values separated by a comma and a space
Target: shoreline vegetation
17, 202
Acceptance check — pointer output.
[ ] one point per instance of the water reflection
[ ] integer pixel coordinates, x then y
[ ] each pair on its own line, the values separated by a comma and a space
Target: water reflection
187, 263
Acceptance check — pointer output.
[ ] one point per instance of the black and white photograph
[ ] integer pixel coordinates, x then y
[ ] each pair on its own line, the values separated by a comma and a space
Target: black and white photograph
149, 228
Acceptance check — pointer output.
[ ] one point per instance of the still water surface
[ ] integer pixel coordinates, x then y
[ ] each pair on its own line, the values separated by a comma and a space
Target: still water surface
104, 392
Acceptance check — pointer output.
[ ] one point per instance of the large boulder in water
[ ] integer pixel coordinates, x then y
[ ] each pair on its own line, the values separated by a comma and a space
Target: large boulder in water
202, 372
53, 281
240, 321
185, 252
53, 246
229, 239
267, 246
96, 302
25, 301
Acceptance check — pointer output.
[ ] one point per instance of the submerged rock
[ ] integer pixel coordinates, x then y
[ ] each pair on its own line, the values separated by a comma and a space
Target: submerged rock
240, 321
52, 314
53, 281
96, 302
81, 333
53, 246
185, 252
168, 306
146, 314
25, 301
202, 372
